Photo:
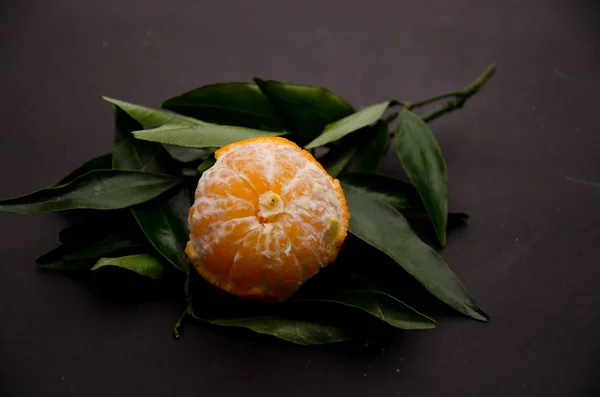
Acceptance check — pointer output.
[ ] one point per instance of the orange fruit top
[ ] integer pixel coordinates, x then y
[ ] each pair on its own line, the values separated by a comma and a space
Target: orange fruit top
266, 218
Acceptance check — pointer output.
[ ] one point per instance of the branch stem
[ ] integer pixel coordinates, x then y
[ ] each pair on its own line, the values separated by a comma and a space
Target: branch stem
462, 96
457, 101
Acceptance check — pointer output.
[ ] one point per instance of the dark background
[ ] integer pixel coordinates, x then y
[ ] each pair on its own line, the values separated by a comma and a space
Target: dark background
529, 254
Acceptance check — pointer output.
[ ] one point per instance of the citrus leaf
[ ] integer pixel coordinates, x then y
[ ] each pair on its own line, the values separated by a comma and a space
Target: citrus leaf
110, 243
239, 104
68, 257
373, 148
201, 136
338, 158
86, 242
384, 228
394, 192
386, 189
186, 154
173, 129
102, 162
381, 305
100, 190
340, 128
307, 109
144, 264
206, 164
163, 221
301, 332
131, 154
422, 160
65, 265
149, 118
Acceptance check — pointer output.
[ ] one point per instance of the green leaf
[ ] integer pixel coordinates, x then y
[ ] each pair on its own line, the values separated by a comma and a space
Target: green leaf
422, 160
144, 264
102, 162
172, 129
354, 122
163, 221
82, 250
131, 154
187, 154
374, 146
384, 228
394, 192
337, 158
301, 332
239, 104
100, 190
149, 118
381, 305
307, 109
109, 243
206, 164
386, 189
205, 136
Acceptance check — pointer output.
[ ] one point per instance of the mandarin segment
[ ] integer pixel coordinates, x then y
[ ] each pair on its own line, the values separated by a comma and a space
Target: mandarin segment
266, 218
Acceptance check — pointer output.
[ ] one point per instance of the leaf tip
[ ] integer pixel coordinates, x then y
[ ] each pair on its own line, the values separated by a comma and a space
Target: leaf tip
258, 81
479, 315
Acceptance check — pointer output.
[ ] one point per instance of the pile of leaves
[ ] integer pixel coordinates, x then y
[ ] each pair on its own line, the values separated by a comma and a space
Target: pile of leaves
138, 198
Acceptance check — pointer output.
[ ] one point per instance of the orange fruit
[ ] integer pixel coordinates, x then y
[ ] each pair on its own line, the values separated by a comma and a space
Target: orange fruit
266, 217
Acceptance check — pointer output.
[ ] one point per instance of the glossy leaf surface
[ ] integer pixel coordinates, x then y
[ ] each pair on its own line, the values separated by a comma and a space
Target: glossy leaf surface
100, 190
144, 264
422, 159
354, 122
384, 228
239, 104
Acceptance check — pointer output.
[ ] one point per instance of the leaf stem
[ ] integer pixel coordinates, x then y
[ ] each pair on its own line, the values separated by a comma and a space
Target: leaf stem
179, 324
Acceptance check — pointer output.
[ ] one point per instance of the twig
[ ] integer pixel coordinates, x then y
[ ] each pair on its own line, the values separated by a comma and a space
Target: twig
460, 97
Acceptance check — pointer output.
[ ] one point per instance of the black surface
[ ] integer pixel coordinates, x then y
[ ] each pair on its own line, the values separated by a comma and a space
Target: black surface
529, 254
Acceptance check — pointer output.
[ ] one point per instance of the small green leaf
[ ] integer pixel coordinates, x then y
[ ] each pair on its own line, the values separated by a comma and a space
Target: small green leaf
110, 243
393, 192
163, 221
386, 189
144, 264
131, 154
374, 145
204, 136
81, 250
239, 104
102, 162
187, 154
354, 122
422, 160
337, 159
173, 129
100, 190
206, 164
307, 109
384, 228
381, 305
150, 118
301, 332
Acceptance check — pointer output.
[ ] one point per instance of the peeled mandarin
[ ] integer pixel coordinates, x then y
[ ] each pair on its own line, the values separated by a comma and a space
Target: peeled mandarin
266, 218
